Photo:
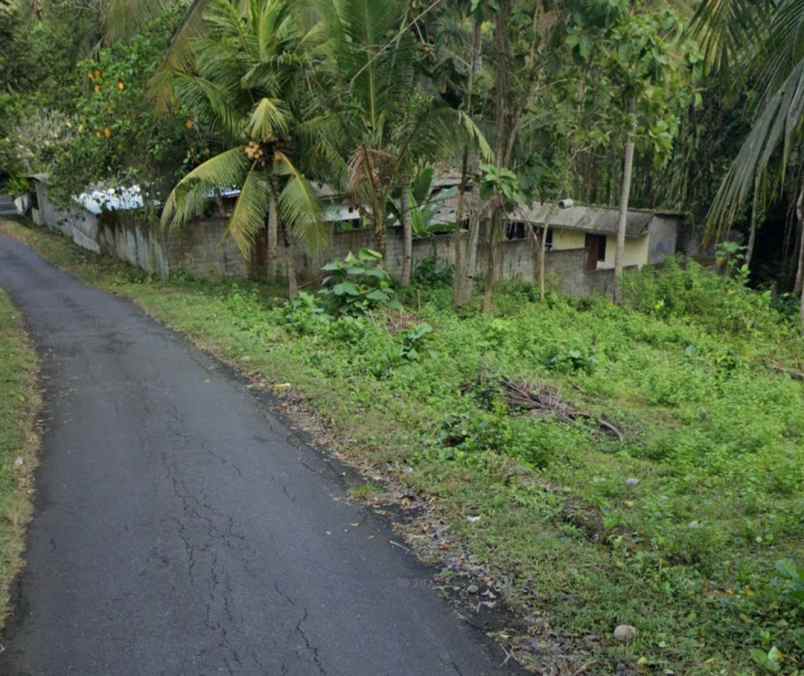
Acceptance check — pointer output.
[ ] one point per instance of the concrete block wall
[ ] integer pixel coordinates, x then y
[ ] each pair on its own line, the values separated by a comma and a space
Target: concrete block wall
204, 250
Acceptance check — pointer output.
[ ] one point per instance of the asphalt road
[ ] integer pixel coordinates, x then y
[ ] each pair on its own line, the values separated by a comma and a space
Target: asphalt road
182, 528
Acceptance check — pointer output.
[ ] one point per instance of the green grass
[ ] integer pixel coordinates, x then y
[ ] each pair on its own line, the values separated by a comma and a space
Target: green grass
19, 404
676, 530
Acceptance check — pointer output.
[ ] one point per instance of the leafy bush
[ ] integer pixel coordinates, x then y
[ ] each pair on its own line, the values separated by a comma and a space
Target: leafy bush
570, 360
719, 302
305, 315
412, 341
433, 272
357, 285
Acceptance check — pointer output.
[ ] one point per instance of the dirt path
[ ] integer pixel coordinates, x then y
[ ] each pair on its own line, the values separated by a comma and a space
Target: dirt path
182, 529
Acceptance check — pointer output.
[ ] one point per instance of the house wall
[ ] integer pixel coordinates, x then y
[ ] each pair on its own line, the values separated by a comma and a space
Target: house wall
565, 240
636, 253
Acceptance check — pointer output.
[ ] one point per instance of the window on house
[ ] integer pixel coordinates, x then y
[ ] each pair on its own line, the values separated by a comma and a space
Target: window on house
515, 231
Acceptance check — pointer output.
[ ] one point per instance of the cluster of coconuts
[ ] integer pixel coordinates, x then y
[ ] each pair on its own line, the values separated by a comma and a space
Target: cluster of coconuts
257, 152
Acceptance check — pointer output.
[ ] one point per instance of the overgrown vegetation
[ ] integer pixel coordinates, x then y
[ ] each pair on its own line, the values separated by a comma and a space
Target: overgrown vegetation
678, 529
19, 403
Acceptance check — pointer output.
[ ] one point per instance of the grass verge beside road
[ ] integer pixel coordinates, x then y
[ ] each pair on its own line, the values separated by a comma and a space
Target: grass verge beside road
19, 408
676, 528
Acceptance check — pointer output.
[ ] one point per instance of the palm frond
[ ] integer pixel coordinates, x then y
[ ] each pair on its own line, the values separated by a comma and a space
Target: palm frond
476, 136
775, 129
269, 120
250, 212
191, 194
200, 93
299, 206
784, 47
726, 27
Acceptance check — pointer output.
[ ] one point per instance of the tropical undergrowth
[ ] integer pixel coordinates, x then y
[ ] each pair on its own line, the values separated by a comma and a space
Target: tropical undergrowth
678, 528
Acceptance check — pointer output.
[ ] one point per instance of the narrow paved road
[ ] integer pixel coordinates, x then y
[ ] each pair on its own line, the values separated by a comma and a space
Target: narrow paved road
181, 528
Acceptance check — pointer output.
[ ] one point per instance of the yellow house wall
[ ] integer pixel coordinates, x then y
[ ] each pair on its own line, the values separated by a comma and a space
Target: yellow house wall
636, 252
564, 240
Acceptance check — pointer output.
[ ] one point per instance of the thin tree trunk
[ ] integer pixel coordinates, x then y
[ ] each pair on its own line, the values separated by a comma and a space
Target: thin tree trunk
752, 237
798, 287
476, 45
624, 199
271, 239
407, 234
504, 130
542, 260
459, 281
293, 285
491, 278
800, 274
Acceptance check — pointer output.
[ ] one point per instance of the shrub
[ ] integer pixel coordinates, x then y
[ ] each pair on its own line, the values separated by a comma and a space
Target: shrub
357, 285
719, 302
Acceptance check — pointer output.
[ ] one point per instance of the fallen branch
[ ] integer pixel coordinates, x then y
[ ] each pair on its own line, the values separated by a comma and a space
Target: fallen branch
543, 400
795, 375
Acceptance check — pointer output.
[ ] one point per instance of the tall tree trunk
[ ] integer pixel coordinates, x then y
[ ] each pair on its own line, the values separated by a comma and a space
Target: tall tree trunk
465, 273
543, 260
477, 36
379, 232
459, 280
798, 287
293, 285
407, 236
624, 200
271, 238
504, 129
492, 269
465, 254
752, 236
800, 274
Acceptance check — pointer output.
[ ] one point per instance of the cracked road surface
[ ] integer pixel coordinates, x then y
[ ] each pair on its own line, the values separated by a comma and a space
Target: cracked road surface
180, 529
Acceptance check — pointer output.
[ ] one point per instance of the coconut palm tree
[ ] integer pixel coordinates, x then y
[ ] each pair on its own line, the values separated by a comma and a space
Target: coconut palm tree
769, 35
378, 122
247, 81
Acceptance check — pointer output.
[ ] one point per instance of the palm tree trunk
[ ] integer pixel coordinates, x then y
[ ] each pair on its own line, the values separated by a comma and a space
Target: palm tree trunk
271, 238
407, 235
290, 263
624, 199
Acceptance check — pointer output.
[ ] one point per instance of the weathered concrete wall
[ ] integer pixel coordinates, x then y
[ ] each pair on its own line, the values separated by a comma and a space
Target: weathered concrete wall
131, 239
76, 223
204, 250
664, 235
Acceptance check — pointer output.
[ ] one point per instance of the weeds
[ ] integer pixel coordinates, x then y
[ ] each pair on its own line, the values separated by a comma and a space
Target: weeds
677, 529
